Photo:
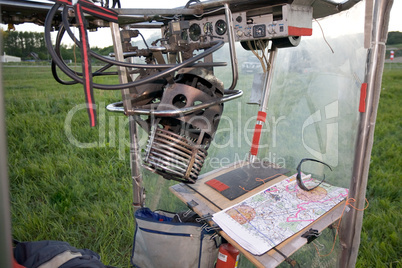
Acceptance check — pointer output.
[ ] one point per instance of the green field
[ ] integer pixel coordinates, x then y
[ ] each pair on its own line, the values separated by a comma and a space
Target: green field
382, 224
83, 196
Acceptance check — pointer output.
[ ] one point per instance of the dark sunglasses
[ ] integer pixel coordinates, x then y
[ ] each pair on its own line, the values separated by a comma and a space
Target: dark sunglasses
299, 177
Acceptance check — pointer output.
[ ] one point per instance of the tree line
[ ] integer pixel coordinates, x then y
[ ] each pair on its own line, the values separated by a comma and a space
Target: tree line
22, 44
32, 46
394, 41
394, 38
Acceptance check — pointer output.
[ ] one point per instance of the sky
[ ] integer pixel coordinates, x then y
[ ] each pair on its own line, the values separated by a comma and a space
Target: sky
102, 38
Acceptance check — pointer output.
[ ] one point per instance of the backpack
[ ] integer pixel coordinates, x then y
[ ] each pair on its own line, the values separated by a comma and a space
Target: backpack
51, 254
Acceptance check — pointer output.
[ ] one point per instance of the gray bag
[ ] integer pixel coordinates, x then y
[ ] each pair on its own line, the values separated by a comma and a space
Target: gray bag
161, 241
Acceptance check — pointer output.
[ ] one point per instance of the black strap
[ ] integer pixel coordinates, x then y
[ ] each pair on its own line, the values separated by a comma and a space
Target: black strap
86, 64
97, 11
298, 176
81, 7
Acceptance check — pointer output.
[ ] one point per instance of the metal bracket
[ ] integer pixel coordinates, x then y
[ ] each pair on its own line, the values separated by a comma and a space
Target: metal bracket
311, 235
192, 204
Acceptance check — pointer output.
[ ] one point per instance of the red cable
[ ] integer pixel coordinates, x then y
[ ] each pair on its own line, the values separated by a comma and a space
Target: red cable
87, 74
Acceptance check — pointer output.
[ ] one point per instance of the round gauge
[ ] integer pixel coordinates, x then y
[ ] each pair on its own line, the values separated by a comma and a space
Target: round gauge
195, 32
208, 28
220, 27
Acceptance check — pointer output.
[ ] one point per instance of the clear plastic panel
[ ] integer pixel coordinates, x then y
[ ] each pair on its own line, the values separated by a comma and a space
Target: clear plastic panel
313, 104
313, 109
313, 112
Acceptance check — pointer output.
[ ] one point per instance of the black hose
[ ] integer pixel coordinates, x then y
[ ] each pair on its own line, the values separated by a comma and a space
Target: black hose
108, 60
99, 72
59, 36
72, 75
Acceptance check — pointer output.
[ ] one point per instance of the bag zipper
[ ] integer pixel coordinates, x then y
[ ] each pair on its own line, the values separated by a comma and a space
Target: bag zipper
164, 233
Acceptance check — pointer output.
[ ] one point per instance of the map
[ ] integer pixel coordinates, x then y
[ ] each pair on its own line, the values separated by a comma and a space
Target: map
269, 217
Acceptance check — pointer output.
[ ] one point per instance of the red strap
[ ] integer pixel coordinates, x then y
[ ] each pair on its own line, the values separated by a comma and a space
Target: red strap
106, 14
256, 139
363, 95
86, 66
97, 11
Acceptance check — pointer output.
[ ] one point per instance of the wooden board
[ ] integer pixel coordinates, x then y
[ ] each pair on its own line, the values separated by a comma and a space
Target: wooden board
216, 198
205, 201
235, 183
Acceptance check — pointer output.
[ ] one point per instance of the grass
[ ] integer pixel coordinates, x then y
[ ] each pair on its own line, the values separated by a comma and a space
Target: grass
83, 195
60, 192
382, 225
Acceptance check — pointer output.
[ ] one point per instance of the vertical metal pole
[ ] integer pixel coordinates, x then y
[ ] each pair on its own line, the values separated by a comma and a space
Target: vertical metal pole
5, 221
263, 105
269, 78
123, 74
135, 165
135, 161
352, 221
231, 41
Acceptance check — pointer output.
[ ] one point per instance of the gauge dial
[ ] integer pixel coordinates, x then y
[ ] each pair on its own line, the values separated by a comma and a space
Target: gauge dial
208, 28
194, 32
259, 31
220, 27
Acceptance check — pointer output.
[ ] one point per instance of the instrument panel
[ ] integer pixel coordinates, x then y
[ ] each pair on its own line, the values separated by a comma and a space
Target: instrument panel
293, 21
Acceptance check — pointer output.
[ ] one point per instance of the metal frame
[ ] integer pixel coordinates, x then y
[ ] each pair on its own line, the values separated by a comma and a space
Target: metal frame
352, 221
117, 107
5, 218
349, 237
135, 161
